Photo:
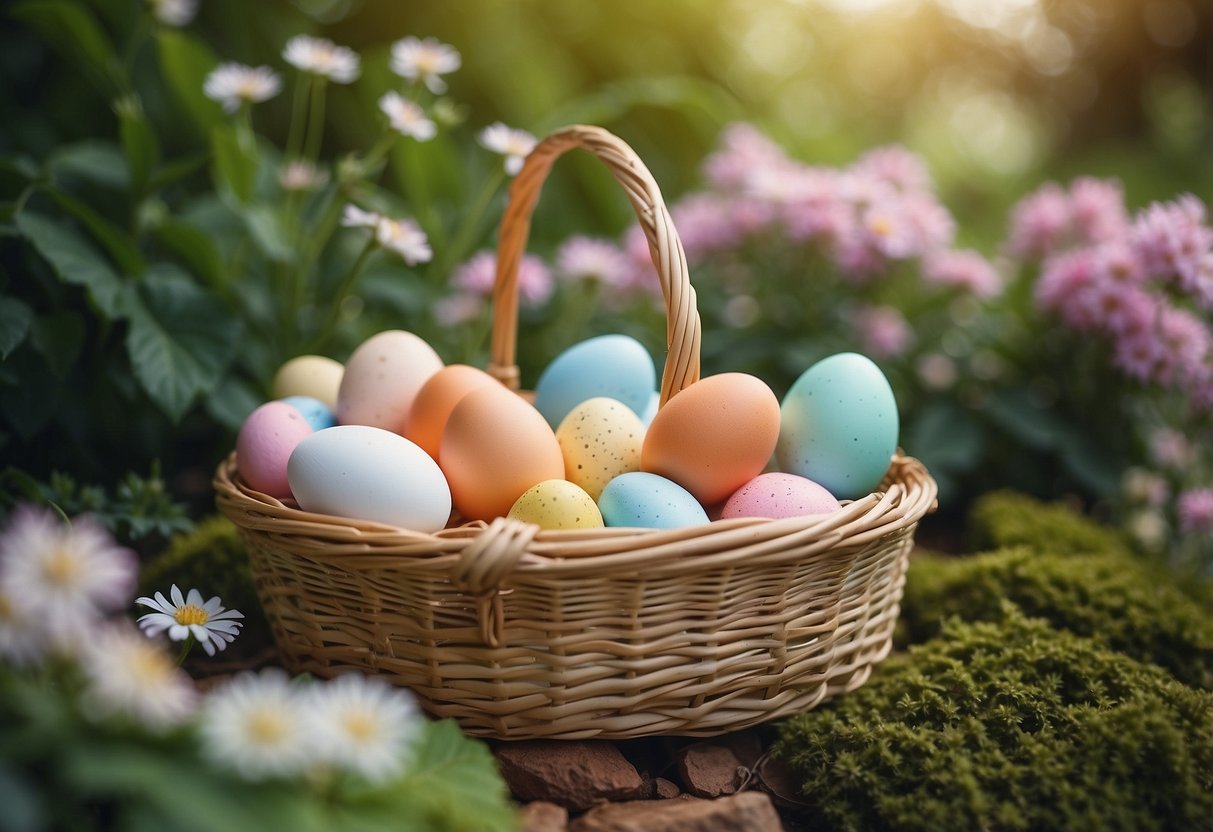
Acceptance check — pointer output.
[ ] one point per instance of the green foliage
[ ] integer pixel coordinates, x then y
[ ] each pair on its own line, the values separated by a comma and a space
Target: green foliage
60, 770
212, 559
1008, 725
1127, 605
1006, 518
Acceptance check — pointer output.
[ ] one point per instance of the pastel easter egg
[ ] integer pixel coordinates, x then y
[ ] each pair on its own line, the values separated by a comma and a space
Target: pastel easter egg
650, 409
382, 378
264, 444
615, 366
557, 504
309, 375
839, 425
368, 473
494, 447
599, 439
437, 398
318, 414
648, 501
777, 495
714, 436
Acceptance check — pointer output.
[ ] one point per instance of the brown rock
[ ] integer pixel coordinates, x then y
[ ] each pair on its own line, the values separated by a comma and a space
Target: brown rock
575, 775
775, 777
709, 770
745, 745
745, 812
666, 789
541, 816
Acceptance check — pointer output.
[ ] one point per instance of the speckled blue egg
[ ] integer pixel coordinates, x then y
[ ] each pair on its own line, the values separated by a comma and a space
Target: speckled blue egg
315, 412
615, 366
839, 425
642, 500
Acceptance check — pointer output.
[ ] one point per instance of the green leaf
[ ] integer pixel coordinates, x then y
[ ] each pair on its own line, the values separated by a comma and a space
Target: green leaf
71, 28
265, 226
185, 63
15, 318
945, 436
139, 141
59, 337
1016, 413
119, 245
235, 165
180, 341
77, 262
177, 170
194, 247
93, 161
454, 781
1092, 463
232, 401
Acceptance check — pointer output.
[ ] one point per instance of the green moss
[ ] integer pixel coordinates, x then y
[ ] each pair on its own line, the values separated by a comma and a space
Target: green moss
1128, 605
1008, 725
213, 560
1006, 518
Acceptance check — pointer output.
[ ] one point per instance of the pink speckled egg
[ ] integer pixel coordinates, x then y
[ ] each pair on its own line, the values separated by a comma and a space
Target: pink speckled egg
777, 495
264, 445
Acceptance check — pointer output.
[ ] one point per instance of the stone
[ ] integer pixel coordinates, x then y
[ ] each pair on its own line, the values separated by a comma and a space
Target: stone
709, 770
572, 774
666, 789
775, 777
541, 816
745, 812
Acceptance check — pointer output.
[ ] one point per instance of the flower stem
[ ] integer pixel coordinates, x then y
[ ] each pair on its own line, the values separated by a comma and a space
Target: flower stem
185, 649
315, 129
343, 290
465, 234
294, 137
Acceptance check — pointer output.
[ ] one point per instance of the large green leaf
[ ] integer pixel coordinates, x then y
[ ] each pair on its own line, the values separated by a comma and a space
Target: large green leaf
77, 262
235, 162
73, 30
138, 141
180, 341
185, 63
15, 318
92, 160
59, 336
196, 248
119, 245
266, 228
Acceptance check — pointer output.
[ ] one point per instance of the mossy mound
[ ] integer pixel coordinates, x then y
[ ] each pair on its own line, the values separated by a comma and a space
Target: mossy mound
1128, 605
213, 560
1006, 518
1008, 725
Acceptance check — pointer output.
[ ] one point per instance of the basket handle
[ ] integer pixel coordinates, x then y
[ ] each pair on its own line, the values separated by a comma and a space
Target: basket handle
683, 332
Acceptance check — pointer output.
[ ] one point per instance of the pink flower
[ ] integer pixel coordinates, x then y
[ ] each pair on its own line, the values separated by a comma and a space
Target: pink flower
587, 258
744, 153
478, 274
888, 229
1097, 209
932, 222
458, 309
1174, 244
1062, 278
1170, 448
1186, 341
897, 166
1039, 222
965, 270
883, 331
705, 224
1195, 508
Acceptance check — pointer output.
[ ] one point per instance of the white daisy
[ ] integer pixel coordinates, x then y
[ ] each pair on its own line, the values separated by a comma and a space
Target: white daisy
174, 12
321, 56
354, 217
234, 84
405, 238
128, 675
302, 176
255, 724
406, 117
66, 575
511, 143
209, 623
414, 59
363, 725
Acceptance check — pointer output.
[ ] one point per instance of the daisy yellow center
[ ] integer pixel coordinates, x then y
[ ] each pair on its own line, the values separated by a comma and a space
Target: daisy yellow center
191, 614
266, 728
61, 568
359, 725
427, 62
882, 227
7, 613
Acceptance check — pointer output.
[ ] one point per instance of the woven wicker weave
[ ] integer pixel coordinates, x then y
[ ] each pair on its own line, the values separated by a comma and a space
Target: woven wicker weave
612, 633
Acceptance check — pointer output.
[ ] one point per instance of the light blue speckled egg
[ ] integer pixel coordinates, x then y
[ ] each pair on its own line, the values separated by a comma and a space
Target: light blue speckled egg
839, 425
615, 366
317, 414
642, 500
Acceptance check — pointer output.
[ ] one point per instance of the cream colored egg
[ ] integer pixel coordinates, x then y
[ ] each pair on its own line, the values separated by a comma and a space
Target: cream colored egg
600, 439
557, 504
382, 377
309, 375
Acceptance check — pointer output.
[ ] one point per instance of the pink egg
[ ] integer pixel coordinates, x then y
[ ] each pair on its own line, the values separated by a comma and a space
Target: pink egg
777, 495
264, 445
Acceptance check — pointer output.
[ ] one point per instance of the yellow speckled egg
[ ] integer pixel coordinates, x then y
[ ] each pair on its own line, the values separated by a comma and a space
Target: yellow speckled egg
600, 439
557, 504
309, 375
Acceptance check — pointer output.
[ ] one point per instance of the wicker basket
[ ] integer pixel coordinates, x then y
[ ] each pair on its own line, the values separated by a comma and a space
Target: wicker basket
612, 633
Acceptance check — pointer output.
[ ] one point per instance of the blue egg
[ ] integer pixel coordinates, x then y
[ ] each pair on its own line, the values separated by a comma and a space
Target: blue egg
839, 426
650, 410
642, 500
615, 366
315, 412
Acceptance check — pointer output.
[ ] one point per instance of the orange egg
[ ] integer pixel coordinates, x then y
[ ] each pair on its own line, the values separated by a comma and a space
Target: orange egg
714, 436
494, 447
435, 401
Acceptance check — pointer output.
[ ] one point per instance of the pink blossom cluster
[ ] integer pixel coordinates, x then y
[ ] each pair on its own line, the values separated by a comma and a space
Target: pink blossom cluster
1140, 282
